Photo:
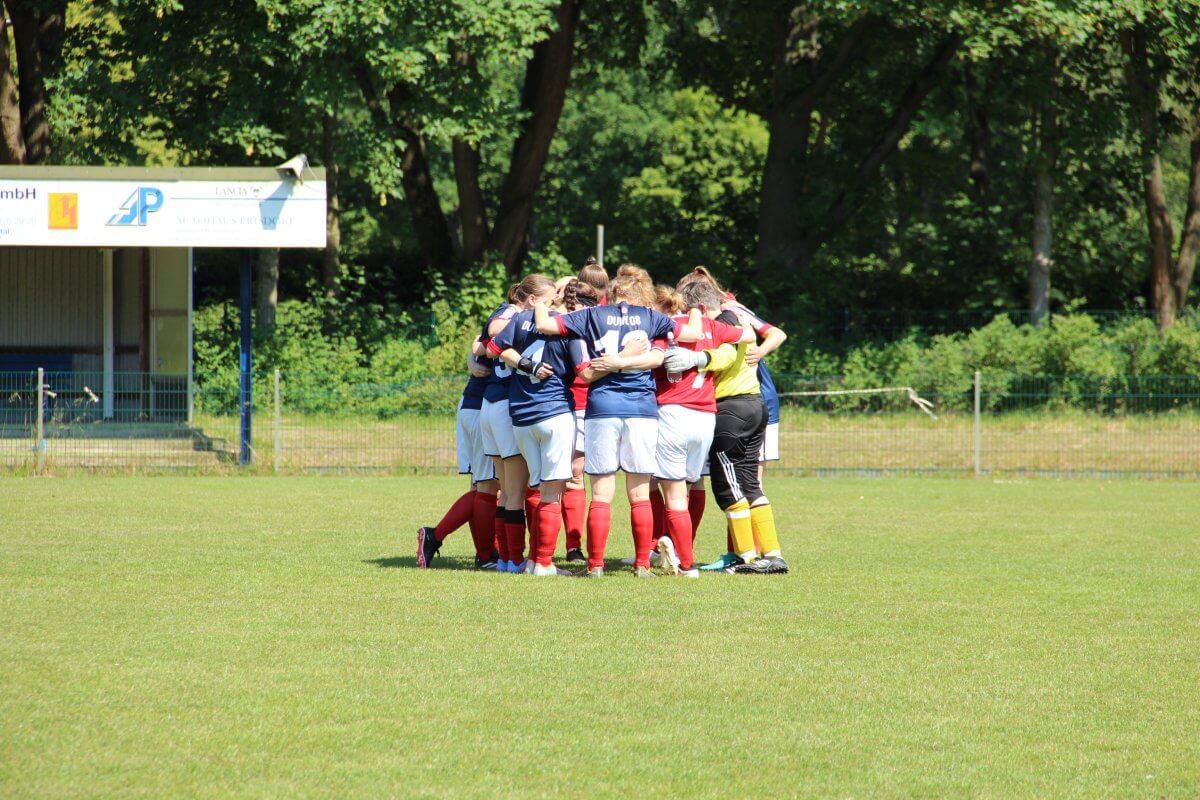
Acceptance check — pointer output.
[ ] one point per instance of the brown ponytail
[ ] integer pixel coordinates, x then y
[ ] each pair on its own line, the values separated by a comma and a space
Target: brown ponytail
529, 286
577, 294
701, 274
594, 275
668, 301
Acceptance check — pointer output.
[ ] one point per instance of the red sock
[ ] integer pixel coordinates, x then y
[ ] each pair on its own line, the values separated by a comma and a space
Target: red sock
641, 519
514, 528
533, 498
679, 528
696, 499
549, 521
458, 515
574, 513
659, 509
483, 524
598, 523
500, 532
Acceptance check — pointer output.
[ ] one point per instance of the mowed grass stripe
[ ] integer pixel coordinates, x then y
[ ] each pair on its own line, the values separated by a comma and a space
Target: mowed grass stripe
937, 637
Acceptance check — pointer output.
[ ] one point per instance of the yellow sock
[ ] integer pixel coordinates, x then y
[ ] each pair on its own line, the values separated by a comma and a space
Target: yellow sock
743, 532
762, 520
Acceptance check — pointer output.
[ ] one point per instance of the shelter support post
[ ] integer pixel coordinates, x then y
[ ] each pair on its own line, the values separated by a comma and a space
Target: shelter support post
245, 357
108, 389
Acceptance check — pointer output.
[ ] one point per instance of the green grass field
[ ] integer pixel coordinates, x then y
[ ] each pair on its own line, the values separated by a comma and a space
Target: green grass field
219, 637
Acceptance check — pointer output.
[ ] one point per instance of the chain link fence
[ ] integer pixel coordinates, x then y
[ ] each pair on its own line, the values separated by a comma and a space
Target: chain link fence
1003, 424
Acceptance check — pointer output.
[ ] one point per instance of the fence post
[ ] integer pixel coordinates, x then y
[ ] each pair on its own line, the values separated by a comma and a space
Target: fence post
978, 430
278, 438
600, 244
41, 418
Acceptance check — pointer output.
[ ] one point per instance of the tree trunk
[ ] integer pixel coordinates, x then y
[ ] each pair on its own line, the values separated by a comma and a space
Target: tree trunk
868, 169
1043, 231
1189, 238
37, 34
1144, 84
1045, 162
978, 129
331, 263
542, 97
1162, 241
12, 142
798, 86
267, 281
472, 214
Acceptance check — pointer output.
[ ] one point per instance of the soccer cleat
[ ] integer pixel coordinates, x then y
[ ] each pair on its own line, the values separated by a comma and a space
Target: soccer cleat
487, 563
667, 558
548, 570
593, 572
427, 547
732, 569
690, 573
654, 561
721, 564
516, 568
643, 572
762, 566
501, 565
575, 554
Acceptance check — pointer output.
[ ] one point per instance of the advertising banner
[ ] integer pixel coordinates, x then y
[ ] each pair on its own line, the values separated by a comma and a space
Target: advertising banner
162, 213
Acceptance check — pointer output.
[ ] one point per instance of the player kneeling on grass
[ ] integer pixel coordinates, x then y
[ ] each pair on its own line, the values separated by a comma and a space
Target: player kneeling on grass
621, 422
687, 408
543, 423
733, 460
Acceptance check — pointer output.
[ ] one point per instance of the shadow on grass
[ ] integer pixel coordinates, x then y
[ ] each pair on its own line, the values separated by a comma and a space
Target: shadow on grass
410, 562
611, 566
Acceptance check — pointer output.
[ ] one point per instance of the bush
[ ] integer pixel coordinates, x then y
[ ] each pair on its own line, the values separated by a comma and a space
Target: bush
333, 361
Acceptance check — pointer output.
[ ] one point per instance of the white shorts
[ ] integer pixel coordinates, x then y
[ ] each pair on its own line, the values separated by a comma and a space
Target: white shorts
579, 435
684, 437
466, 420
770, 446
497, 428
620, 443
548, 447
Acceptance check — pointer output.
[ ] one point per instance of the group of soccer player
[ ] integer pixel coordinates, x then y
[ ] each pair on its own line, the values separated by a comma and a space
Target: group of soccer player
587, 375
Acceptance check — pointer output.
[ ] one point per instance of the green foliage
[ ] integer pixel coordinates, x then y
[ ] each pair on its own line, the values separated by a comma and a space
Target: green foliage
1074, 361
698, 203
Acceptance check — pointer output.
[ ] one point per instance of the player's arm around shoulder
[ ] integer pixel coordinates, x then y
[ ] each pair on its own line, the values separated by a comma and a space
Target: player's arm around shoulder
693, 329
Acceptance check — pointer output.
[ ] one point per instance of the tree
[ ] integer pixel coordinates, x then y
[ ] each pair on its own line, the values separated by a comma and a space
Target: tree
37, 37
1162, 51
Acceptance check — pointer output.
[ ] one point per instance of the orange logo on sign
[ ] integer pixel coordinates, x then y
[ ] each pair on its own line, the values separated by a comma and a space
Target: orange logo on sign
64, 211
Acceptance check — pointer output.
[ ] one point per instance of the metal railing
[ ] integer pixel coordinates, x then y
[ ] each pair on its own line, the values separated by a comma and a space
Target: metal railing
990, 423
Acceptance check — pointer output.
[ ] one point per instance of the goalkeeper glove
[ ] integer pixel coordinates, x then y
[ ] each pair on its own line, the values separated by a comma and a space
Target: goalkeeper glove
678, 359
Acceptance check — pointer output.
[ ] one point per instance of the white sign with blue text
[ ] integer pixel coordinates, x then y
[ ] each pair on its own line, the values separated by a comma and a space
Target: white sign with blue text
101, 213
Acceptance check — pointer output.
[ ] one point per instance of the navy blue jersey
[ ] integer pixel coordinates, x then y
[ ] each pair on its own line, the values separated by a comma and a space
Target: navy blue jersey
532, 400
497, 384
770, 394
472, 396
606, 330
766, 383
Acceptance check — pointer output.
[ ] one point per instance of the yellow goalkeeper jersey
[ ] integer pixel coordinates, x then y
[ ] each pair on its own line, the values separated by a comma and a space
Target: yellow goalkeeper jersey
733, 375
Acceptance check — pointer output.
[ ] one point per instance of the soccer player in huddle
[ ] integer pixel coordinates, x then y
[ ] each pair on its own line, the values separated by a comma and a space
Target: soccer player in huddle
540, 402
741, 422
499, 439
687, 410
477, 507
621, 420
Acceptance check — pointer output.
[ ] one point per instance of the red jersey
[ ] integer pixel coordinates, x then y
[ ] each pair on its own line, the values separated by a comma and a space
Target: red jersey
694, 389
